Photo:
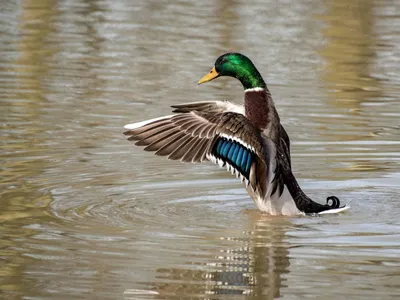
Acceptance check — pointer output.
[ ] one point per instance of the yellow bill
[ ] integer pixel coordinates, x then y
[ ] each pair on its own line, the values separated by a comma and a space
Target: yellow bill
210, 76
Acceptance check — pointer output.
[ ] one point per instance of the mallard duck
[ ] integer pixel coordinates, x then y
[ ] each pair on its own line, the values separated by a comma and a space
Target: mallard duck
248, 140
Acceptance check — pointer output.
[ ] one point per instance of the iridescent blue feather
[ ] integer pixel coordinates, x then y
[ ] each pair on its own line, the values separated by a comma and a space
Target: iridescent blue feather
244, 160
231, 151
248, 163
238, 159
219, 145
225, 149
235, 154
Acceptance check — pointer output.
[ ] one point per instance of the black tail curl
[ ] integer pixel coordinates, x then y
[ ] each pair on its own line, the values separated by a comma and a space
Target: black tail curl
335, 202
303, 202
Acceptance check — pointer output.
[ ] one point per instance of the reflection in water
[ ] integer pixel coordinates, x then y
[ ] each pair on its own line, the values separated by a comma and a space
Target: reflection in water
25, 106
82, 214
22, 199
227, 12
350, 53
25, 199
253, 266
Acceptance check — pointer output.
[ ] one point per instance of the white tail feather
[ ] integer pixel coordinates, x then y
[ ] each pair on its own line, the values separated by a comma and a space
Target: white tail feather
334, 210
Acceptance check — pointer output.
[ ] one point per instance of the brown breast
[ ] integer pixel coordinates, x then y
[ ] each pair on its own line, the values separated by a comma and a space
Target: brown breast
260, 109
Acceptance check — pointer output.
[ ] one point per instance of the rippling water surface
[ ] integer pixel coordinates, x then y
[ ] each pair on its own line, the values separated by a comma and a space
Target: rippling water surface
84, 215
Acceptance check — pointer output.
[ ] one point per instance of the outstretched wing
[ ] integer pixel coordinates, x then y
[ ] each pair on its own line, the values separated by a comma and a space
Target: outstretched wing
226, 138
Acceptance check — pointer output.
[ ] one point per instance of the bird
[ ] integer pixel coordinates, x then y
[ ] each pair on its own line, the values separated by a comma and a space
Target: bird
249, 140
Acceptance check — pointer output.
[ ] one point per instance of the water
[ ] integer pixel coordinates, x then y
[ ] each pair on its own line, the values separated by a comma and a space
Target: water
84, 215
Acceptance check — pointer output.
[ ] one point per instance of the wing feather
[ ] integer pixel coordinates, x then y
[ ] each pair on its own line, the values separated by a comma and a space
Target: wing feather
135, 132
191, 135
209, 106
192, 150
182, 148
151, 132
155, 136
201, 153
176, 137
170, 144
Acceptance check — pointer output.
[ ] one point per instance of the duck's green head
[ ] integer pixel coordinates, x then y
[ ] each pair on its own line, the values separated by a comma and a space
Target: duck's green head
238, 66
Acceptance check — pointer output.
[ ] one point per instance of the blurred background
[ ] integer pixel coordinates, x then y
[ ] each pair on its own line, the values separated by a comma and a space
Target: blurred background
84, 215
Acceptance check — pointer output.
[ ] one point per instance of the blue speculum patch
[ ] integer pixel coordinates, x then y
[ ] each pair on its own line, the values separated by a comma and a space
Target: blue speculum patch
233, 153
